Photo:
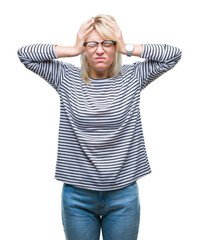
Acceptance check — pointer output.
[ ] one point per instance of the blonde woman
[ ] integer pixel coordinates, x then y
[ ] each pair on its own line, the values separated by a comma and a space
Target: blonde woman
101, 148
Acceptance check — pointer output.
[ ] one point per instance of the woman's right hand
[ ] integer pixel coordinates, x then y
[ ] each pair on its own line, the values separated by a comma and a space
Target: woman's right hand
83, 32
64, 51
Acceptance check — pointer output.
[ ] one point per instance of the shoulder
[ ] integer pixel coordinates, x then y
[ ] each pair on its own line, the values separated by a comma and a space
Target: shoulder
129, 68
70, 66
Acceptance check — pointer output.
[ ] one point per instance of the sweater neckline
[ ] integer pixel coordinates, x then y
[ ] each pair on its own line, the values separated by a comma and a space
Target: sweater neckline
100, 79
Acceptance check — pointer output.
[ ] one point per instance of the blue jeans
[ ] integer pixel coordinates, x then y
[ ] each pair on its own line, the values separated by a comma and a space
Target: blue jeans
85, 212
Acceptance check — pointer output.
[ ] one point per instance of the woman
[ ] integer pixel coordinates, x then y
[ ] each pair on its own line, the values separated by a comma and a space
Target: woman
101, 148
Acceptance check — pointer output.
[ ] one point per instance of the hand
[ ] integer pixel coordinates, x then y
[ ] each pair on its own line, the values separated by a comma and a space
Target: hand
83, 32
114, 28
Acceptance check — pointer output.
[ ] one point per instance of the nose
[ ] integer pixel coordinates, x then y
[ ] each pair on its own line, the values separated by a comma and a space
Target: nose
99, 49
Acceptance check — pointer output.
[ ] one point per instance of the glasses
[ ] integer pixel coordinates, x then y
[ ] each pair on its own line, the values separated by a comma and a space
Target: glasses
105, 44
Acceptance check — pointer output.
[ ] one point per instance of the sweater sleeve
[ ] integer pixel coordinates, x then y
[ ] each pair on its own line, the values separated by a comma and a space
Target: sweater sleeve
40, 58
159, 59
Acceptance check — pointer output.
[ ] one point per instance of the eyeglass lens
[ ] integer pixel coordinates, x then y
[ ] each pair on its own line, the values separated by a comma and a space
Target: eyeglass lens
106, 43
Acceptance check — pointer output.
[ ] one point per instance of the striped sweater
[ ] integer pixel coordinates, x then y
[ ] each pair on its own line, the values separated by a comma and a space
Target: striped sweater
101, 144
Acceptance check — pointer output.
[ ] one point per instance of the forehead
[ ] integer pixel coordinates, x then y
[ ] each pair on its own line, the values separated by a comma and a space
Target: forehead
94, 36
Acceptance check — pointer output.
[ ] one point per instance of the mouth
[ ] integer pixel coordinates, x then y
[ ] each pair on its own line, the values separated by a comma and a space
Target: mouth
100, 58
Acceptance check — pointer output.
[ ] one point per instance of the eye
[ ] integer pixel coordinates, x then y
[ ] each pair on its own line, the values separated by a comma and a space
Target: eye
108, 43
91, 44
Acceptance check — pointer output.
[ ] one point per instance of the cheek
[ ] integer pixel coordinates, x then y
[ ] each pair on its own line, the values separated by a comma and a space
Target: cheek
111, 55
89, 57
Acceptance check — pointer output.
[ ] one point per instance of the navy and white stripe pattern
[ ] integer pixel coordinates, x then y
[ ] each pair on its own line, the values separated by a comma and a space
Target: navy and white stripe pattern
101, 144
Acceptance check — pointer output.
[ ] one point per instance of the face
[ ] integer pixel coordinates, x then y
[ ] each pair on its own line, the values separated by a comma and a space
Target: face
99, 58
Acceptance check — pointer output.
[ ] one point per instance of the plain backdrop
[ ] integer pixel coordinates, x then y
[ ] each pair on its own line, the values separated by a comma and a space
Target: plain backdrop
30, 197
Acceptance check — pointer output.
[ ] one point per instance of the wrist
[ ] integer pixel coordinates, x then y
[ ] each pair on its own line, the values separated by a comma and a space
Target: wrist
122, 48
129, 48
76, 50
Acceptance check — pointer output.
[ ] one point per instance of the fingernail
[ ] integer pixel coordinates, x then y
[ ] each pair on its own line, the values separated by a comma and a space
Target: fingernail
108, 17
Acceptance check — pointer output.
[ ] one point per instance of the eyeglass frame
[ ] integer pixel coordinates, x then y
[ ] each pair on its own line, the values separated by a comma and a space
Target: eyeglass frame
114, 42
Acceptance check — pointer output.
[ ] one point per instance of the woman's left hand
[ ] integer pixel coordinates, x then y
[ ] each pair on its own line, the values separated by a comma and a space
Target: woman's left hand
114, 28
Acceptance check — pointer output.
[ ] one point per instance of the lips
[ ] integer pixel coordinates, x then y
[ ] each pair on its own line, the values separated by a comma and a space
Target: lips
100, 58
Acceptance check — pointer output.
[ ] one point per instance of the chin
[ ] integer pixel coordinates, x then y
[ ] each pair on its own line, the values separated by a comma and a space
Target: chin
101, 67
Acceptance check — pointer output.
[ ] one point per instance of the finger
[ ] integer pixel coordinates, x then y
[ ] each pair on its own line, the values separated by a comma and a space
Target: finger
111, 28
89, 30
87, 26
108, 18
113, 25
110, 21
88, 23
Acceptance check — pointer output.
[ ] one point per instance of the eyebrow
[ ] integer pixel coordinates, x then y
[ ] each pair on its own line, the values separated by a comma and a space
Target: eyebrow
95, 40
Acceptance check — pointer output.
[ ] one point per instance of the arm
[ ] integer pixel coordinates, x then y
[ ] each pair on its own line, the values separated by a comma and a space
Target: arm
40, 58
64, 51
114, 28
160, 58
85, 29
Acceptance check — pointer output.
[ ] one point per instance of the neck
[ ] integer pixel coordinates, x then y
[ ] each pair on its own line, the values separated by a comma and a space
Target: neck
95, 74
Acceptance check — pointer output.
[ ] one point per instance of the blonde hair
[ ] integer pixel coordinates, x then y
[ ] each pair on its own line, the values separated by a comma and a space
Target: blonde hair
100, 27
